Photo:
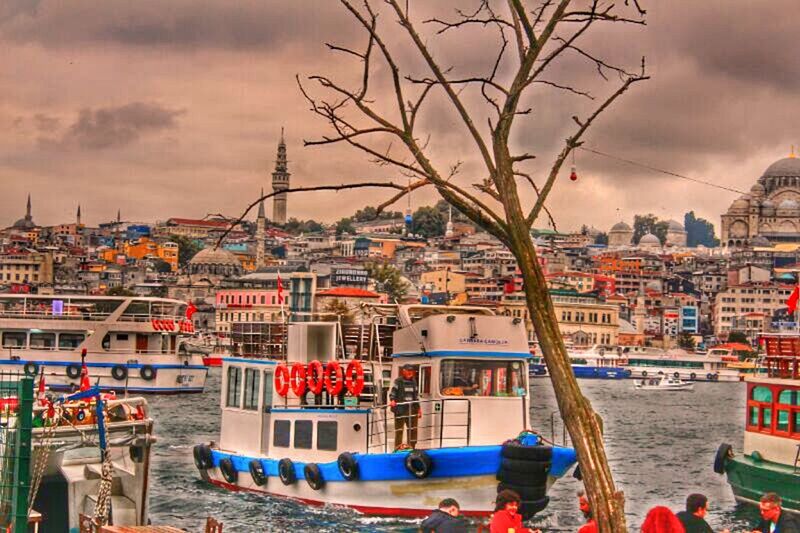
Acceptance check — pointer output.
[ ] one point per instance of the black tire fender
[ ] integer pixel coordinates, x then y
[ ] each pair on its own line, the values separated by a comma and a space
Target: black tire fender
348, 466
257, 472
676, 375
526, 493
526, 467
203, 459
228, 471
528, 508
148, 372
73, 371
119, 372
527, 453
286, 471
693, 376
522, 479
724, 452
644, 373
419, 464
31, 368
313, 476
709, 376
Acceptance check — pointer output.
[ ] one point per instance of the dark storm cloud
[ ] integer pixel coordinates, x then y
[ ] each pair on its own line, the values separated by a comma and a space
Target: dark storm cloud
113, 127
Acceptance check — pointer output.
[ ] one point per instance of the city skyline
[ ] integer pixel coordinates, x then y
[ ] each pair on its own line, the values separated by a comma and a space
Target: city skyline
161, 112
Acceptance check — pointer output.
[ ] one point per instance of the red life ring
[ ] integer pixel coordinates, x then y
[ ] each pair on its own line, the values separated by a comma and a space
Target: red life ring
281, 380
315, 377
334, 388
354, 384
298, 379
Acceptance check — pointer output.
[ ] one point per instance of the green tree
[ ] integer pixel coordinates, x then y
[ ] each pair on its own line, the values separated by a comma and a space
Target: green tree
388, 280
161, 266
295, 227
686, 341
371, 213
643, 224
601, 238
738, 336
428, 222
187, 248
345, 225
338, 307
699, 231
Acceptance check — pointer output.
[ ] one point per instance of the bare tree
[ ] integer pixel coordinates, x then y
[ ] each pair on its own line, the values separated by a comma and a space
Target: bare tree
530, 41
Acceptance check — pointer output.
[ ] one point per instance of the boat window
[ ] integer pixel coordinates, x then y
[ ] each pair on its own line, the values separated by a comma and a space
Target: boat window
106, 342
326, 435
281, 433
14, 339
782, 420
234, 386
252, 378
45, 341
789, 397
482, 378
70, 341
302, 434
267, 406
761, 394
796, 424
122, 337
425, 380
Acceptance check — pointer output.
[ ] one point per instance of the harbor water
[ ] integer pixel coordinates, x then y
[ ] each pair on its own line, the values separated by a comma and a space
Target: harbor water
661, 446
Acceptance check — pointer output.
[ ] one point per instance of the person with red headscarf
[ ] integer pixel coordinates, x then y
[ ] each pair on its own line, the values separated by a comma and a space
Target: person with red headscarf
583, 504
661, 520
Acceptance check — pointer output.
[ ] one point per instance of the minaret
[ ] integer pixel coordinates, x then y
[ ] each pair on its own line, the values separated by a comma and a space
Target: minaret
261, 227
28, 215
280, 182
449, 231
78, 217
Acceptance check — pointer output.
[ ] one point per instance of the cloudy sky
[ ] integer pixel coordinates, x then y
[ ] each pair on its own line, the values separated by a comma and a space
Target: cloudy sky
175, 108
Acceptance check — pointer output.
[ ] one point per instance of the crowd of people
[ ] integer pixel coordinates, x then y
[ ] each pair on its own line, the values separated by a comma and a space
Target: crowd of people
660, 519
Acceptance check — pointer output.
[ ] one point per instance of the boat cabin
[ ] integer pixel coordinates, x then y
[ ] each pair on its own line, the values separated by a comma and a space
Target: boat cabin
471, 370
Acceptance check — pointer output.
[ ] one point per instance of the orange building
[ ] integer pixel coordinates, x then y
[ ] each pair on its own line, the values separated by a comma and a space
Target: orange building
143, 248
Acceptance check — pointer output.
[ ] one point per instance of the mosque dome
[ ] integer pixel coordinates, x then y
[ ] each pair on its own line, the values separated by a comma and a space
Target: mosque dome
648, 239
758, 190
674, 225
788, 207
24, 223
621, 226
760, 241
215, 261
741, 204
788, 166
768, 208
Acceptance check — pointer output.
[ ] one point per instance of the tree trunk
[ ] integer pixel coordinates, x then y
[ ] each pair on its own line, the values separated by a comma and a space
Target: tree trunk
583, 424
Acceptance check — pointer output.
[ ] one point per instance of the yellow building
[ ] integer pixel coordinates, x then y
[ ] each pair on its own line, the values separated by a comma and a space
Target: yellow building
33, 268
444, 280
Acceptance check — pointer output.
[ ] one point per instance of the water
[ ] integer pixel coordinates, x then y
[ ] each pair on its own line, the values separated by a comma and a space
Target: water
661, 447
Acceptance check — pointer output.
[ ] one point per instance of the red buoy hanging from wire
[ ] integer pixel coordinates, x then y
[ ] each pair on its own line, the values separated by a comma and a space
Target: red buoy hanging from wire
573, 175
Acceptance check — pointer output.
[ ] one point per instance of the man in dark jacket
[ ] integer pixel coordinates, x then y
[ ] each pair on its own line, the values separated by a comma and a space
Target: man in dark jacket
445, 519
693, 518
773, 518
403, 398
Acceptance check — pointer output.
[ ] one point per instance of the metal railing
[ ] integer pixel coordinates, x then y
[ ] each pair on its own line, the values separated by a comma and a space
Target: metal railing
564, 435
16, 423
434, 429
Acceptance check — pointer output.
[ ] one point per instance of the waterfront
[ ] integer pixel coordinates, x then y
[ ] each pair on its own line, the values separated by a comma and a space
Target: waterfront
661, 446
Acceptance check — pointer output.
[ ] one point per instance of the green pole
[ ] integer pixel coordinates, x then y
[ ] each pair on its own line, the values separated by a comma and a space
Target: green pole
22, 465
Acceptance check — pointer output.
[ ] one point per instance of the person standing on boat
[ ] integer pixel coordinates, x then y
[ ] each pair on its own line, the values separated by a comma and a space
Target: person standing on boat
773, 518
403, 400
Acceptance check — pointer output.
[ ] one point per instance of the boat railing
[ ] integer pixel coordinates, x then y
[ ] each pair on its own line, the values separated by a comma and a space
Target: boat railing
89, 316
446, 423
554, 416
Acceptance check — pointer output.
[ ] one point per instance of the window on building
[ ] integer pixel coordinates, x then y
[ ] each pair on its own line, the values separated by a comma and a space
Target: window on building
234, 387
252, 382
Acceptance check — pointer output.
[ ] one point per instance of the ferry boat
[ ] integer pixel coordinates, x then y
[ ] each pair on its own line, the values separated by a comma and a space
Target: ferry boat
644, 362
589, 364
769, 460
129, 344
318, 426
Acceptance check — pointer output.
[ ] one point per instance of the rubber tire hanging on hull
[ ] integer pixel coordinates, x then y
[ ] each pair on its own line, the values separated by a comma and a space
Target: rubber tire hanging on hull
203, 459
147, 373
724, 452
228, 471
419, 464
119, 372
348, 466
313, 476
535, 468
73, 371
257, 472
526, 493
31, 369
511, 450
286, 471
528, 508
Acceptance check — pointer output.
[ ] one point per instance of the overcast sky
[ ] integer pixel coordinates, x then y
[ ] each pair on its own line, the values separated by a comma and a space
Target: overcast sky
174, 108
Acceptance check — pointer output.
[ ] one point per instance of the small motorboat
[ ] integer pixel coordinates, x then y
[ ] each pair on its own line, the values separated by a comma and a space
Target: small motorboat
662, 383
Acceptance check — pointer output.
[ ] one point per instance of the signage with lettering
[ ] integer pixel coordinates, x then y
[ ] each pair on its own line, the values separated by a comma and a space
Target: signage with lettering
350, 276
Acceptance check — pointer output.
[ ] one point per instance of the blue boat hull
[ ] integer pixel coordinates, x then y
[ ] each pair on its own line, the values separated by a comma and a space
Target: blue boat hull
587, 372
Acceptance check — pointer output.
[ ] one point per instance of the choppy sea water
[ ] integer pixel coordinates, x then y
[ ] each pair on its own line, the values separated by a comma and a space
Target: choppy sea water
661, 447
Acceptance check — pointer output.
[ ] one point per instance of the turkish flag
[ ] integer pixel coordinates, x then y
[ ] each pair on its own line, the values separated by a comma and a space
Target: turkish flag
190, 310
509, 286
280, 289
40, 396
792, 301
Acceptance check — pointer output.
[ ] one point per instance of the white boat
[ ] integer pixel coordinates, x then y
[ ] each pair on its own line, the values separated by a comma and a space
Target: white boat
662, 383
130, 344
646, 362
322, 439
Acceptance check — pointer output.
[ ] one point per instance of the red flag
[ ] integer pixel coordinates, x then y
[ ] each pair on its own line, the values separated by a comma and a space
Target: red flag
792, 301
280, 289
85, 385
190, 310
509, 286
40, 393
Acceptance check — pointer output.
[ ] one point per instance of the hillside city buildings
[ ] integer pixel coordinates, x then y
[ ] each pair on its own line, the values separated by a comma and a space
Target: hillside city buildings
245, 275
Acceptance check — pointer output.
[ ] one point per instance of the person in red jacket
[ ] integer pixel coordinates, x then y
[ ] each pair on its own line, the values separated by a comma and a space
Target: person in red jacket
661, 520
506, 518
583, 504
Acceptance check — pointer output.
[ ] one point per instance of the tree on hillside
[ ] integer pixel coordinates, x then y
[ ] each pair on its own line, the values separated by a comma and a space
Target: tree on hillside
699, 231
601, 238
345, 225
428, 222
738, 336
161, 266
295, 227
686, 341
531, 38
338, 307
643, 224
370, 213
187, 248
388, 280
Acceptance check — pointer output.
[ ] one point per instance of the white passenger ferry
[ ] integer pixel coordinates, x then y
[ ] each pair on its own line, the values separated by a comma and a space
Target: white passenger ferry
129, 344
644, 362
318, 427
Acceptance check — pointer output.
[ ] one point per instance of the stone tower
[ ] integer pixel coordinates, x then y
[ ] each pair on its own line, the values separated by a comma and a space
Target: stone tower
280, 182
261, 227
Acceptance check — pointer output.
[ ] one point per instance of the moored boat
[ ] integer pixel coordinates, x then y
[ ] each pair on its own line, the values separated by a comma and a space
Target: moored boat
319, 426
769, 460
646, 362
662, 383
129, 344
